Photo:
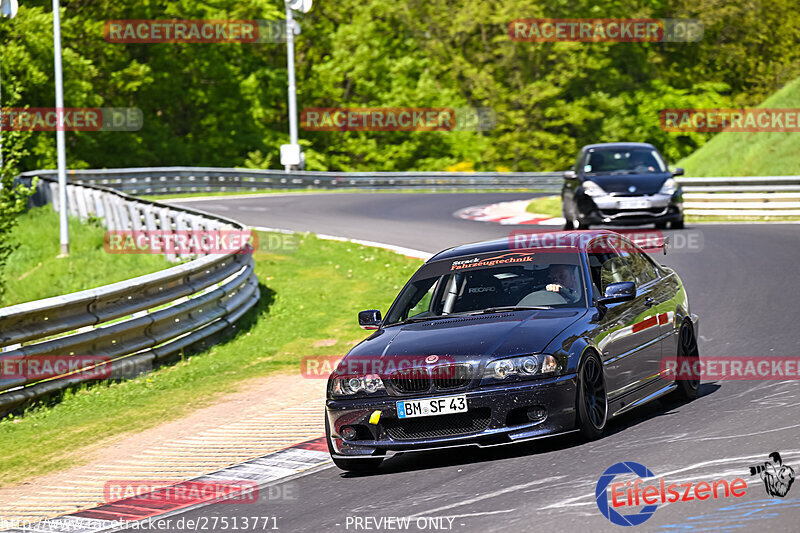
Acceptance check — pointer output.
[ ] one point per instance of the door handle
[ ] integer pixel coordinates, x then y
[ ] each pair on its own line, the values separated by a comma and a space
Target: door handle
650, 302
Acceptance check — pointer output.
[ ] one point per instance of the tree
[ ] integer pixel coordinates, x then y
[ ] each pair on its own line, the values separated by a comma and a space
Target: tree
13, 197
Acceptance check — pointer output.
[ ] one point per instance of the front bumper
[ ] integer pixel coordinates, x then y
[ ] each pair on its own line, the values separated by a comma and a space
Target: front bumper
614, 210
497, 415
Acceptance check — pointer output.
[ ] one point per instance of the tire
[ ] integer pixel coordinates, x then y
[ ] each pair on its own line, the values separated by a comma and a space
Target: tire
583, 225
661, 225
677, 224
363, 466
592, 401
687, 349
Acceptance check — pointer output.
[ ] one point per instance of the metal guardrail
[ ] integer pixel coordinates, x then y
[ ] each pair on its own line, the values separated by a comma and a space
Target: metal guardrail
166, 180
132, 323
745, 196
761, 196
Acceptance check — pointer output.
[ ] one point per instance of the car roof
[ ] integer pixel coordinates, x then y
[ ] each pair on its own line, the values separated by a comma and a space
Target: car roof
539, 240
617, 145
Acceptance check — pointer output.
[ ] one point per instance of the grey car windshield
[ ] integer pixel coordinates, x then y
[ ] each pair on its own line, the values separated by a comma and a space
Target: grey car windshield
623, 161
557, 283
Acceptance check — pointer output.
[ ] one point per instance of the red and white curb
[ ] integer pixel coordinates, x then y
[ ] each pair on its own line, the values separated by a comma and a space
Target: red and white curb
508, 213
122, 513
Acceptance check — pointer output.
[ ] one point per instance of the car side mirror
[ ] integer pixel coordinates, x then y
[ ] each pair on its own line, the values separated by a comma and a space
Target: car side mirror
677, 172
570, 175
623, 291
370, 319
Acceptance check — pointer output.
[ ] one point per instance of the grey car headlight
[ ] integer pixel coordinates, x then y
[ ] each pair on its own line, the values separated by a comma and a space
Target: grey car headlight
669, 187
352, 385
522, 367
592, 189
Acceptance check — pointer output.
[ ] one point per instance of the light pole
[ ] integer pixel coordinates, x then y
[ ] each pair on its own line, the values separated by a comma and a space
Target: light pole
60, 144
291, 154
8, 9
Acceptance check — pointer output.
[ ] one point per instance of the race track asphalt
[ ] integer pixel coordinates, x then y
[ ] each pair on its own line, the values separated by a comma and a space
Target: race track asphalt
741, 280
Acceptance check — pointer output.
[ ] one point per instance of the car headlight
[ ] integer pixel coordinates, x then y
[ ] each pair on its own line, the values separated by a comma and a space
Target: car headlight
669, 187
592, 189
522, 367
351, 385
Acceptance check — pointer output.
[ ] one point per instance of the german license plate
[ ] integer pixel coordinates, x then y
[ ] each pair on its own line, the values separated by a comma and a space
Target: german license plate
634, 204
432, 406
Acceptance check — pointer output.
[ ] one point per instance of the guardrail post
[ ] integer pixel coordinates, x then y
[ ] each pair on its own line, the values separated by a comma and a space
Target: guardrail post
80, 200
166, 229
72, 209
97, 200
54, 196
150, 222
108, 210
121, 212
182, 227
135, 215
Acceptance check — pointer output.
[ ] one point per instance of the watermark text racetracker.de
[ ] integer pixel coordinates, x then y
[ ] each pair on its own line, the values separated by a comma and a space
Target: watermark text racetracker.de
194, 31
181, 493
71, 119
232, 491
650, 241
32, 368
321, 366
731, 368
742, 120
595, 30
397, 119
189, 242
38, 367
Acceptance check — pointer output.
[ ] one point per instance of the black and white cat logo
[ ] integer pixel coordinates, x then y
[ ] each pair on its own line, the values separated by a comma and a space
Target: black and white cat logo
778, 477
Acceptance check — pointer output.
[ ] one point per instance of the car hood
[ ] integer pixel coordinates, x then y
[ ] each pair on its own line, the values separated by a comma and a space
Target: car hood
470, 337
621, 183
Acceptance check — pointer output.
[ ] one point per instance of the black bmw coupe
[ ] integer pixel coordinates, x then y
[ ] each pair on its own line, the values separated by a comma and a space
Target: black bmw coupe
489, 344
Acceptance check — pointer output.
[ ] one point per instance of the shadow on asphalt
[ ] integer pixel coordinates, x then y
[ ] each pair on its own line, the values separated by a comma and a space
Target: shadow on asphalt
472, 454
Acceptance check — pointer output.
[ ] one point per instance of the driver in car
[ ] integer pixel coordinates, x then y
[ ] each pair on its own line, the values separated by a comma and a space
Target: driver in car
642, 162
564, 282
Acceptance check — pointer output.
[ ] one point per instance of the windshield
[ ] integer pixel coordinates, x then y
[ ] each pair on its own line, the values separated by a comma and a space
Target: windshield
549, 281
623, 161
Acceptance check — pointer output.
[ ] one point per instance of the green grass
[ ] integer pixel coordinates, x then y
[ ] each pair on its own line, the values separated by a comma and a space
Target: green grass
172, 196
546, 205
32, 271
310, 294
751, 154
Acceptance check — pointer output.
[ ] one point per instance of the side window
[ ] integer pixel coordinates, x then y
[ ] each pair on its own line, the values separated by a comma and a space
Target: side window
642, 268
423, 305
608, 268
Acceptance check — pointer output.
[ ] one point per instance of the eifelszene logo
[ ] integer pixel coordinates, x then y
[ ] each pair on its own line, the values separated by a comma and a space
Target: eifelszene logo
777, 477
601, 494
635, 493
